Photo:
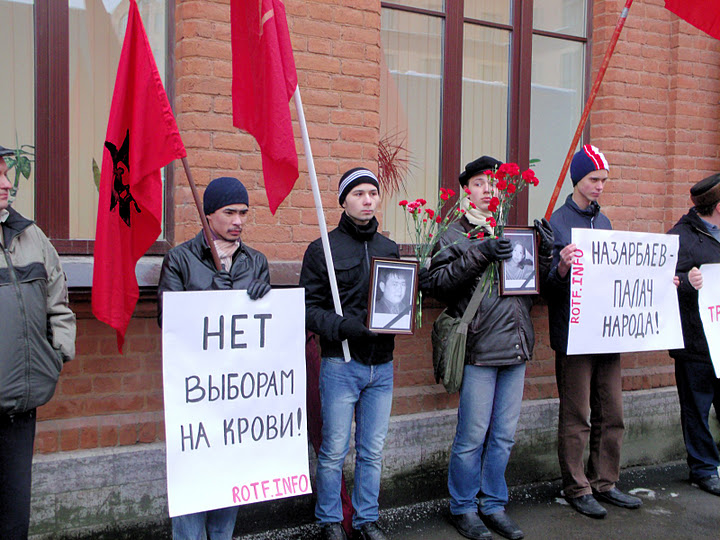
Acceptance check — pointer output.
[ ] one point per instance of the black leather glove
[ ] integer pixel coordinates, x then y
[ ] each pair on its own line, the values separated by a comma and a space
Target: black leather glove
222, 281
495, 249
424, 280
547, 238
258, 288
352, 328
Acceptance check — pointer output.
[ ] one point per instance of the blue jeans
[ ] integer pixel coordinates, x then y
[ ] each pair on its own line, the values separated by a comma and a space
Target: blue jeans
365, 391
213, 525
490, 400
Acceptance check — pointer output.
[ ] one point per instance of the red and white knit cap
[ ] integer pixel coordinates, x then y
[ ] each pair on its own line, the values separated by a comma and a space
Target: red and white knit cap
588, 159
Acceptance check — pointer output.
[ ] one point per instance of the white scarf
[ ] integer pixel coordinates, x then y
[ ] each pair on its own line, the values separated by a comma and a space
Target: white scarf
476, 216
226, 250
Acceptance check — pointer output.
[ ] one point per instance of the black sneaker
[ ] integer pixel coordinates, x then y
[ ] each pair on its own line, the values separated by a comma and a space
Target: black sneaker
332, 531
471, 526
369, 531
618, 498
501, 523
587, 506
711, 484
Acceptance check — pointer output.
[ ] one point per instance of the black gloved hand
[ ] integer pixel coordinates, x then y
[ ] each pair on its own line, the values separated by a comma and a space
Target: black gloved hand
424, 280
222, 281
353, 328
258, 288
547, 238
495, 249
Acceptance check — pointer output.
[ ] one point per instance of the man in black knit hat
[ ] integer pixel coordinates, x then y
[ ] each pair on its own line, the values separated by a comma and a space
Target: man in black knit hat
697, 383
363, 386
190, 267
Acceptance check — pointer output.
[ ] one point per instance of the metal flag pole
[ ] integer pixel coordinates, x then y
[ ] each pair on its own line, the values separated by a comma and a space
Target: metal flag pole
588, 106
320, 214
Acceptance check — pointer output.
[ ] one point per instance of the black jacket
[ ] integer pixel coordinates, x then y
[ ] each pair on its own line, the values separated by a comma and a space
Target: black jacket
697, 247
190, 267
556, 290
352, 249
501, 331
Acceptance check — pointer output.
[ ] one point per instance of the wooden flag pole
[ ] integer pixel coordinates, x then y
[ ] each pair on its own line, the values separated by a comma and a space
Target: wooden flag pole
203, 218
320, 214
588, 106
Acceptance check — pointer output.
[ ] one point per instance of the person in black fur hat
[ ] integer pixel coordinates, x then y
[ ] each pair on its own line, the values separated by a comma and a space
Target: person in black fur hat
697, 382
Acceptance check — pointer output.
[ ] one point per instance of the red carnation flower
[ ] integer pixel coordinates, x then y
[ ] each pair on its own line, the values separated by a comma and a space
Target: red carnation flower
511, 188
438, 219
402, 203
491, 221
501, 185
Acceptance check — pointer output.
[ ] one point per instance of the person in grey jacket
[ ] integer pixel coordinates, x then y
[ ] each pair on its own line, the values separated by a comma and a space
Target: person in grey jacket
37, 337
500, 341
190, 267
589, 385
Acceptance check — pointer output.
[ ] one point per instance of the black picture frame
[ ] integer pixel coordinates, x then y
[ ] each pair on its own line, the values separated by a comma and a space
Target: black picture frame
519, 274
392, 311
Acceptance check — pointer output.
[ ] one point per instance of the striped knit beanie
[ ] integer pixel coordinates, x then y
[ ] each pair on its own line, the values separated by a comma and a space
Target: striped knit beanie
355, 177
587, 160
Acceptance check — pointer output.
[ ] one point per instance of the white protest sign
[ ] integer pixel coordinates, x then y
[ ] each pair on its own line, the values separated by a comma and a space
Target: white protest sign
234, 389
709, 306
622, 296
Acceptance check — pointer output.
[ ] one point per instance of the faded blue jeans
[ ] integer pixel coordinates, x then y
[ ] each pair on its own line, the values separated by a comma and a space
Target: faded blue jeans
490, 400
348, 389
211, 525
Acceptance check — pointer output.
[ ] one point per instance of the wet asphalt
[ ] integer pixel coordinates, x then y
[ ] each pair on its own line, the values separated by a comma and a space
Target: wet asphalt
673, 508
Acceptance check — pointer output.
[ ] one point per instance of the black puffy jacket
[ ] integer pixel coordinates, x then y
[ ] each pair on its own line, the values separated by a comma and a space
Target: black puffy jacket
352, 249
190, 267
697, 247
501, 331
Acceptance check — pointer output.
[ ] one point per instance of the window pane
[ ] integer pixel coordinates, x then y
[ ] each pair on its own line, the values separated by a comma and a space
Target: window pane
97, 30
17, 100
433, 5
486, 69
557, 99
561, 16
497, 11
411, 85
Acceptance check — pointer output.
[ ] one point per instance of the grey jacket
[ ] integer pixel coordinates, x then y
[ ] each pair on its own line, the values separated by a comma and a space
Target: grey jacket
38, 327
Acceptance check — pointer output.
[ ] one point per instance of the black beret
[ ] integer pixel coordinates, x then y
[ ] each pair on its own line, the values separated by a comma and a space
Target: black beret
480, 165
6, 151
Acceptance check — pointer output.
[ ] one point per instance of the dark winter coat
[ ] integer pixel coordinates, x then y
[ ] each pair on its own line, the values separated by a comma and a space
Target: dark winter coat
190, 267
38, 328
352, 249
556, 289
697, 247
501, 331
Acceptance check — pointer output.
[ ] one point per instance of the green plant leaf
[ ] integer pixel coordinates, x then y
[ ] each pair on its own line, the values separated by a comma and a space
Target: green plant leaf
24, 166
96, 174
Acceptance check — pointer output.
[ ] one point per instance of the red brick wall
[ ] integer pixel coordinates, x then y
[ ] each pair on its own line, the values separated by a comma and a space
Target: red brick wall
656, 118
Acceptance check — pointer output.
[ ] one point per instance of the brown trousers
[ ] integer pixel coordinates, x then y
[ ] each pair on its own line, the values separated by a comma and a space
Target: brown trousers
590, 390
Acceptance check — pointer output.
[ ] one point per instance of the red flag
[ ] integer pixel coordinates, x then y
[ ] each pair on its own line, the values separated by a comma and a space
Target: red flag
702, 14
142, 137
264, 80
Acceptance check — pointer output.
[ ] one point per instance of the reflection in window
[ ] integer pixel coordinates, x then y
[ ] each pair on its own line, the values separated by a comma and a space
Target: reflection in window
17, 103
97, 30
411, 86
556, 105
486, 68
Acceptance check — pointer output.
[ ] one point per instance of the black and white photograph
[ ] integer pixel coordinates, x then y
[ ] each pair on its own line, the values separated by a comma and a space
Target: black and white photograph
393, 288
518, 274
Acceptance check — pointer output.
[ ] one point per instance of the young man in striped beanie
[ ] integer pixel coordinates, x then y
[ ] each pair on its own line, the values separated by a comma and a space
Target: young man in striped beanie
589, 385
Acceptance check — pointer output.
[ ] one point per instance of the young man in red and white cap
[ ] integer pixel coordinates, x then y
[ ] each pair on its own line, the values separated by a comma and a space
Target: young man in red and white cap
589, 385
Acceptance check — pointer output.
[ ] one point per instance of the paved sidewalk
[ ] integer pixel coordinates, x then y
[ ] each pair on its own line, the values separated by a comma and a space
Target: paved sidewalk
672, 509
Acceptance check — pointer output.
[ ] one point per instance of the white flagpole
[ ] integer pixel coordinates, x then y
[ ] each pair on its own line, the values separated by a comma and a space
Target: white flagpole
320, 213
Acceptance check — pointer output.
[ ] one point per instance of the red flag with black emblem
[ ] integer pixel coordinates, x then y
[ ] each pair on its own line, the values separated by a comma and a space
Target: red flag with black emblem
702, 14
142, 137
263, 81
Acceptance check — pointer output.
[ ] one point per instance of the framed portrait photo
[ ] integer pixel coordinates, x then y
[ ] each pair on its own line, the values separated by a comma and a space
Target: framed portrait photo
519, 273
393, 288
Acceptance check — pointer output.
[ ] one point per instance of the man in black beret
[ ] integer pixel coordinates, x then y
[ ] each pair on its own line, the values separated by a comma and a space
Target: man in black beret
697, 384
